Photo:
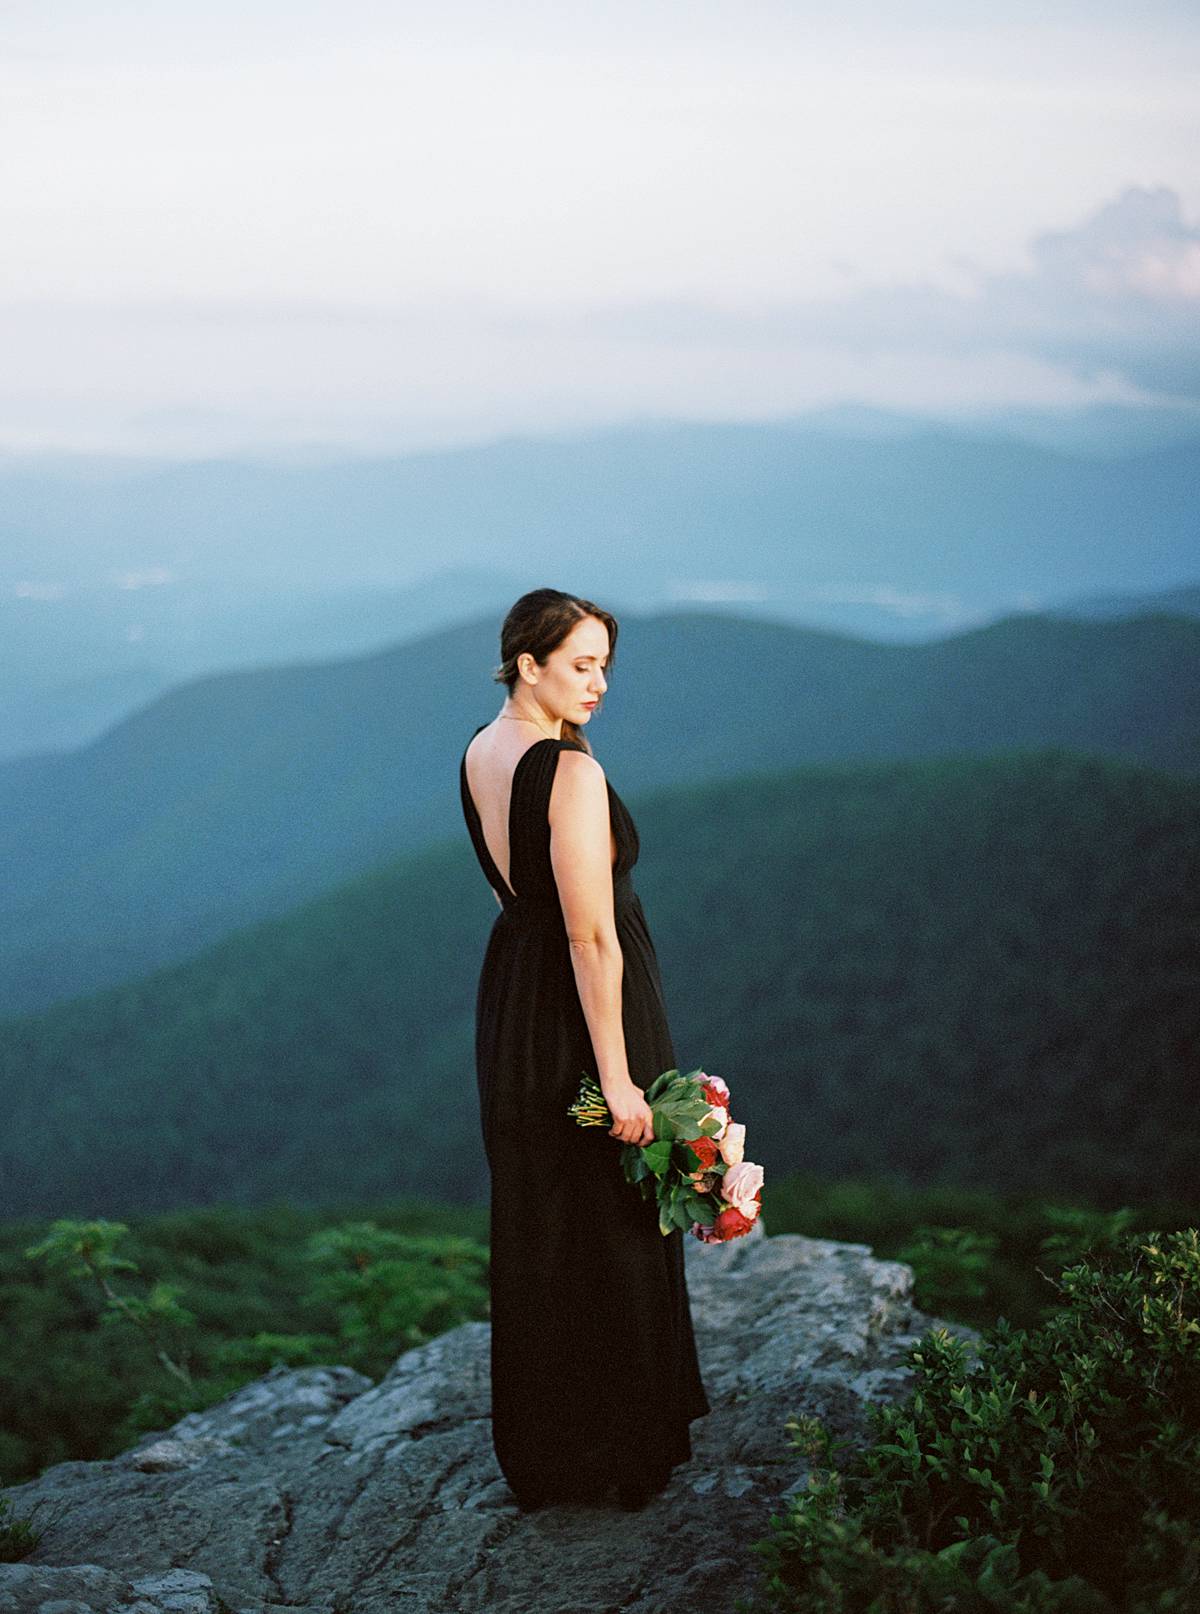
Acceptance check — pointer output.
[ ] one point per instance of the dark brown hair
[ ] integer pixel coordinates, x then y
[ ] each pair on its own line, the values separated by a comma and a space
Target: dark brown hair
538, 623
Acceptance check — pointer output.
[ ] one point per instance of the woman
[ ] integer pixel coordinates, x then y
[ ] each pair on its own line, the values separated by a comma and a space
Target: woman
594, 1371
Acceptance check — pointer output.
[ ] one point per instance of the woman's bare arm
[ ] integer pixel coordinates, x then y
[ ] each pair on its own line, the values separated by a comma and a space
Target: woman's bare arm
581, 857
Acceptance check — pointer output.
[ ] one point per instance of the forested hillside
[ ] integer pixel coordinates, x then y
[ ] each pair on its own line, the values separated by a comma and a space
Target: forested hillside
236, 797
971, 970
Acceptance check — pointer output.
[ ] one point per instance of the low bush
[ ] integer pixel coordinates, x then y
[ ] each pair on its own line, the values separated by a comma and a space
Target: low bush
1051, 1471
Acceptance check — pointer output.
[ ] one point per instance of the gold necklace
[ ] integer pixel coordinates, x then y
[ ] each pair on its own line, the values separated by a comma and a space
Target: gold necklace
537, 726
525, 720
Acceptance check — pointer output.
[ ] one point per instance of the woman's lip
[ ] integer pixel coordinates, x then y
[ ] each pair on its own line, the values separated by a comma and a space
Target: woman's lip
590, 704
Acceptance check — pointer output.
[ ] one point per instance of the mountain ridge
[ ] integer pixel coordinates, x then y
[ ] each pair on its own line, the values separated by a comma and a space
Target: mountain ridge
241, 794
970, 948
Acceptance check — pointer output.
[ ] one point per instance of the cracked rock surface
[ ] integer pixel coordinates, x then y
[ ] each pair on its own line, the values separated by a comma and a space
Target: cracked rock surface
314, 1491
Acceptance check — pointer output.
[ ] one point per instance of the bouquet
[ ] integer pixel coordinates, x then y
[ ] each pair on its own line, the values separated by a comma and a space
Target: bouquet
694, 1167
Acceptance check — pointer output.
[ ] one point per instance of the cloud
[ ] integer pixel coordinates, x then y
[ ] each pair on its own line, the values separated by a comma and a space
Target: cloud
150, 577
718, 591
900, 602
1118, 294
1136, 245
1103, 311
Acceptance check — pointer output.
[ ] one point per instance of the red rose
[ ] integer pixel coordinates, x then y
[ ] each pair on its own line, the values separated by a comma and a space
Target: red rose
705, 1149
731, 1224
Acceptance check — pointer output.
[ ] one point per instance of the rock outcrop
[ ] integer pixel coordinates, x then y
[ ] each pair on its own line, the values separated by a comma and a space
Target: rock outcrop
318, 1492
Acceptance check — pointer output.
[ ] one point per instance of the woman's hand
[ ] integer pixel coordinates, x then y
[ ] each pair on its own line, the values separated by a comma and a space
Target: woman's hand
633, 1119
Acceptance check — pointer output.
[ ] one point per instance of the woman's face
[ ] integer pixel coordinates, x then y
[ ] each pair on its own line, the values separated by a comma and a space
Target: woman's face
573, 678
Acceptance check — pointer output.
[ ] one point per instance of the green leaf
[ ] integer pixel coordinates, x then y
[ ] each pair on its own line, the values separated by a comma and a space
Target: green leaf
659, 1084
657, 1156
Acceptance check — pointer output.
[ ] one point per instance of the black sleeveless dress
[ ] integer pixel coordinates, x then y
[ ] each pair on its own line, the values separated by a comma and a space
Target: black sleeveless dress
594, 1372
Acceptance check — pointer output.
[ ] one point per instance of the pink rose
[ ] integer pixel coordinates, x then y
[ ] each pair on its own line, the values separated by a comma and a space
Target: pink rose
715, 1082
741, 1186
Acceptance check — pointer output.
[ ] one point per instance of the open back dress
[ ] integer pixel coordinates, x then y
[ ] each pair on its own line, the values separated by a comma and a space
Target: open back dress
594, 1372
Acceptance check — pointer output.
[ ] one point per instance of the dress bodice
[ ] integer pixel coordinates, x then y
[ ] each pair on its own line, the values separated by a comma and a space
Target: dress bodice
533, 888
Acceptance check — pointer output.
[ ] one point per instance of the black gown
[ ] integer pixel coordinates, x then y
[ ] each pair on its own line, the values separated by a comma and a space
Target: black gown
594, 1372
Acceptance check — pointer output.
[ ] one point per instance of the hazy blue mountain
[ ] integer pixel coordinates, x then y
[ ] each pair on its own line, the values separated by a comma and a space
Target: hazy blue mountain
971, 970
642, 511
806, 512
73, 671
1183, 601
71, 711
238, 795
120, 577
73, 666
1106, 430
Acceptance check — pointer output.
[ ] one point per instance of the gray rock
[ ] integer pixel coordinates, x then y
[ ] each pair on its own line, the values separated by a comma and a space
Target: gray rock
88, 1589
315, 1491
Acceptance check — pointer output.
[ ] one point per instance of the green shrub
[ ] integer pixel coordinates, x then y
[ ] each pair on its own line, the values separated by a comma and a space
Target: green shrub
109, 1331
391, 1291
1055, 1472
950, 1266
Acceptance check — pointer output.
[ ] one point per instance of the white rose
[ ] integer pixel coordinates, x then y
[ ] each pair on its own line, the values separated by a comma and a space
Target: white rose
721, 1114
739, 1186
733, 1143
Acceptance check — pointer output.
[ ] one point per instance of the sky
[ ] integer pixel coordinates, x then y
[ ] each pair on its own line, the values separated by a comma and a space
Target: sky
381, 226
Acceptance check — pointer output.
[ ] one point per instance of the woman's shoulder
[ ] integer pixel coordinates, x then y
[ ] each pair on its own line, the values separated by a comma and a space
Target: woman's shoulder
577, 774
573, 757
473, 743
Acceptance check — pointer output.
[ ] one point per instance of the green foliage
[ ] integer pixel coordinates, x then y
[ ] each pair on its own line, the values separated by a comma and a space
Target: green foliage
827, 1563
83, 1249
1079, 1230
985, 1253
164, 1401
89, 1250
265, 1350
262, 1286
1056, 1473
950, 1265
391, 1289
388, 1292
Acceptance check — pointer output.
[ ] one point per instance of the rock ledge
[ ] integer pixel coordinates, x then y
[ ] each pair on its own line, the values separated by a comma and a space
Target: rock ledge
317, 1492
